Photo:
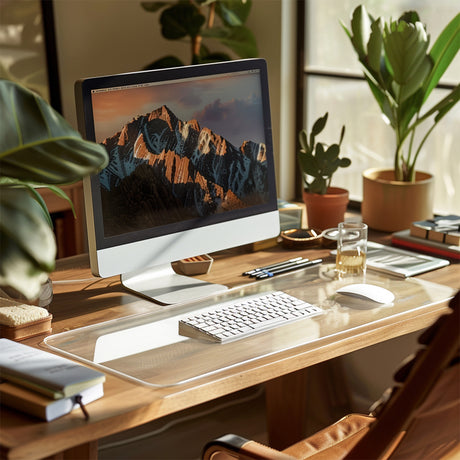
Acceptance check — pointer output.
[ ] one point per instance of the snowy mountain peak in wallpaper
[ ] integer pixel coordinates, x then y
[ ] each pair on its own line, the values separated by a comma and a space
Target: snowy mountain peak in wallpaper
164, 170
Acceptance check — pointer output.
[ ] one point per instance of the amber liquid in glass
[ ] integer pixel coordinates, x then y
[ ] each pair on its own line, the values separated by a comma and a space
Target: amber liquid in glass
351, 262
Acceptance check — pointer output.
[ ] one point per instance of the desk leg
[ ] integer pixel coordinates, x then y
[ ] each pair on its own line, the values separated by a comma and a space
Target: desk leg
286, 406
87, 451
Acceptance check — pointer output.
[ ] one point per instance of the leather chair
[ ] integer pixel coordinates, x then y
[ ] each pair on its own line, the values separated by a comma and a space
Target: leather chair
418, 418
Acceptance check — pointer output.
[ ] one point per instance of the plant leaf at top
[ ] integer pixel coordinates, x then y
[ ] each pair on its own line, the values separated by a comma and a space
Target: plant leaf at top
361, 28
319, 124
233, 12
239, 39
181, 20
410, 17
405, 47
374, 47
443, 52
38, 145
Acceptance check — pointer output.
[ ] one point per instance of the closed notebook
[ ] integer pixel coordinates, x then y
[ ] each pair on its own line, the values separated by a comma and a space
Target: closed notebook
43, 407
44, 372
404, 239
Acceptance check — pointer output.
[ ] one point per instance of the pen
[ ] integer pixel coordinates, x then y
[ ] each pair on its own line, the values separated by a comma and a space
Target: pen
288, 268
272, 266
274, 271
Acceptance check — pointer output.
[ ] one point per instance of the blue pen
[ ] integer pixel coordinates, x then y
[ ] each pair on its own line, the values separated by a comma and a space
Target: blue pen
263, 274
254, 272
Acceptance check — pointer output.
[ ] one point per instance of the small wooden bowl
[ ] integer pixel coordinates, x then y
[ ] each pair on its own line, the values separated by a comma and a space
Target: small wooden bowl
198, 265
298, 238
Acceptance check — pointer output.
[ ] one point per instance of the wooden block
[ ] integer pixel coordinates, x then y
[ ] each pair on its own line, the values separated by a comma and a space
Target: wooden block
27, 330
442, 229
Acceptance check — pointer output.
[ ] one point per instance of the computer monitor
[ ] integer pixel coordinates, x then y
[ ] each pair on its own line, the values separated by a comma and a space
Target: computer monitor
191, 171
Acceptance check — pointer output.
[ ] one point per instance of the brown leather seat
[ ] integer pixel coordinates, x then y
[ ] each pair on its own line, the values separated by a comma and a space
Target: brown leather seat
418, 418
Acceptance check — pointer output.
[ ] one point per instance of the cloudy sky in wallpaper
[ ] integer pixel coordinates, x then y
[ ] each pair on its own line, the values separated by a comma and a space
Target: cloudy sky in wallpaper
230, 106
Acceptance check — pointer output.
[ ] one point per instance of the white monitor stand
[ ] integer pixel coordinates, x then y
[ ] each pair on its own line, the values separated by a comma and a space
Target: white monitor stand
163, 285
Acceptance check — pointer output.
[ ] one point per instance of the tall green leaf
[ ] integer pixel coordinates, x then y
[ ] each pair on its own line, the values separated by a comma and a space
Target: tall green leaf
38, 145
442, 53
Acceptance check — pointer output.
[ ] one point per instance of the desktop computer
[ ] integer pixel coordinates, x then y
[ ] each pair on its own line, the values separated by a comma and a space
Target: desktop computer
191, 171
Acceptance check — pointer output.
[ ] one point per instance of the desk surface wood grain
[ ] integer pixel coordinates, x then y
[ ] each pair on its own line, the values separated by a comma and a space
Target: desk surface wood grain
81, 300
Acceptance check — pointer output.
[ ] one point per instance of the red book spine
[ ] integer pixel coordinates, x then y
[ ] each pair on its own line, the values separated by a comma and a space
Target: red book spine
423, 248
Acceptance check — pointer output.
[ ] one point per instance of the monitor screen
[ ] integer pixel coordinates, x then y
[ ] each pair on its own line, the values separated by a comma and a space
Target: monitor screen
190, 164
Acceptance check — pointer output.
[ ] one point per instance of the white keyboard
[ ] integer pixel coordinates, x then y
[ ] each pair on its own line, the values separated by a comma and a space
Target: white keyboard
246, 316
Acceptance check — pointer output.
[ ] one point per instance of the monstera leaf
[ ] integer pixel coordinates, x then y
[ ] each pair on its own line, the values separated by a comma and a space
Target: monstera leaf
39, 148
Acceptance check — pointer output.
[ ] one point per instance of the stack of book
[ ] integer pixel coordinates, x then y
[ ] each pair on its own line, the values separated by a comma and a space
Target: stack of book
43, 384
439, 236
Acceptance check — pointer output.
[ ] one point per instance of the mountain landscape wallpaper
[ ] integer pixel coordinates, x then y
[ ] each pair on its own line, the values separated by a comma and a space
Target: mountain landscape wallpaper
164, 168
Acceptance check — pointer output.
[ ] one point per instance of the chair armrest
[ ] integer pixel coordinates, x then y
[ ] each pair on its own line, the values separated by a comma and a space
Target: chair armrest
232, 446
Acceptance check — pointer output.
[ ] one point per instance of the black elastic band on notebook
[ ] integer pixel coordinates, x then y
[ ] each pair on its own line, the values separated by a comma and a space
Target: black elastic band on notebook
78, 400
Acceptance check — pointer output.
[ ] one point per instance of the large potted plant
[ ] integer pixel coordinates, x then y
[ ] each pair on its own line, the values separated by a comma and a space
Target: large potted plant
401, 74
318, 161
197, 21
38, 149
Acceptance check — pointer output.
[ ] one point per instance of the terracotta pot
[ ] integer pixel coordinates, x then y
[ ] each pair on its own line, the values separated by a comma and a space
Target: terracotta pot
390, 205
326, 211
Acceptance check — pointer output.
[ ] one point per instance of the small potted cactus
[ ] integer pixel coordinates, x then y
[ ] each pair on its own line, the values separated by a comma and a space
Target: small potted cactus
318, 162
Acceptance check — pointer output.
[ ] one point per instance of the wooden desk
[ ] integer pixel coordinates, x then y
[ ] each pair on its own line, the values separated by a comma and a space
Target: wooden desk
79, 300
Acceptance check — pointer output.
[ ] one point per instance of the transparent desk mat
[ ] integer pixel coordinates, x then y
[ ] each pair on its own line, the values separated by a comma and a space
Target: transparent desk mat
147, 348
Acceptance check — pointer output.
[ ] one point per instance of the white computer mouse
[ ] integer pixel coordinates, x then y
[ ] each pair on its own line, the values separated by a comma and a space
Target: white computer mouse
368, 291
